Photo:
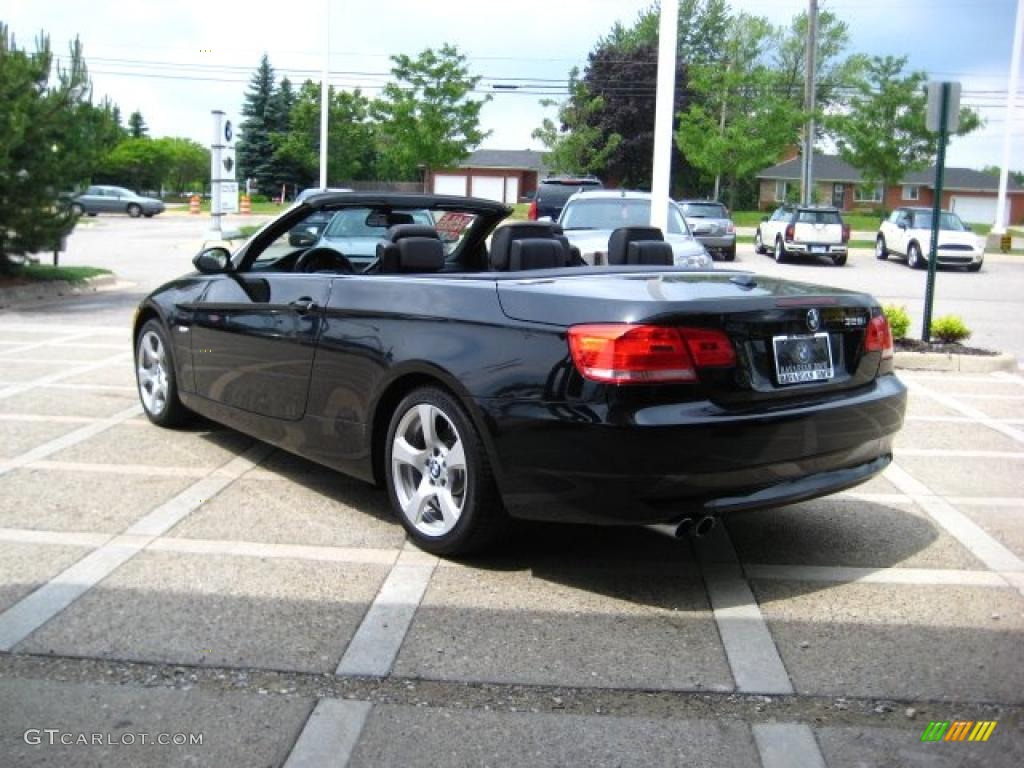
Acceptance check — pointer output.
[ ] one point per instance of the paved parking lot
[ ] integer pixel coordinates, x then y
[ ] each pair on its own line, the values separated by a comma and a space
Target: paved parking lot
196, 583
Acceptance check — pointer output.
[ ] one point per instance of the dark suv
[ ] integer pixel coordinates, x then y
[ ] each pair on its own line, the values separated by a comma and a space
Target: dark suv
553, 191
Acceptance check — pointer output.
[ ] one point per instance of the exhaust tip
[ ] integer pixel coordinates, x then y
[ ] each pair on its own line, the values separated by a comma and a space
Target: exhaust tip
704, 526
673, 530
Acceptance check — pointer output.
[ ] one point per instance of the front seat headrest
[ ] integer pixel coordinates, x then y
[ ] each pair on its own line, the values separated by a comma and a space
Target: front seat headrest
618, 243
537, 253
399, 231
411, 254
503, 237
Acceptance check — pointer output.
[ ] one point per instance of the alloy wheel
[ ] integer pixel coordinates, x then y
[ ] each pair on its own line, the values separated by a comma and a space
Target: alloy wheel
152, 369
428, 469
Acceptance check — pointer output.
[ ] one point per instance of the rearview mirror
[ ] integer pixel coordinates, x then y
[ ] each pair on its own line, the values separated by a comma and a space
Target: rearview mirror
302, 238
212, 261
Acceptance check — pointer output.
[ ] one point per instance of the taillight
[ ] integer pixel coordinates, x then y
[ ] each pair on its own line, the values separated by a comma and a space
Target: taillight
846, 233
646, 354
790, 230
878, 337
531, 213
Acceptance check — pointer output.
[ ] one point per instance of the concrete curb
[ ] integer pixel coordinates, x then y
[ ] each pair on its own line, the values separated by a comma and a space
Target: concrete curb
43, 290
941, 361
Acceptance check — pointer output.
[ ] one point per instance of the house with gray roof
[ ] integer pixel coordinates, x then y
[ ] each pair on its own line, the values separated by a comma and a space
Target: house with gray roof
505, 175
972, 194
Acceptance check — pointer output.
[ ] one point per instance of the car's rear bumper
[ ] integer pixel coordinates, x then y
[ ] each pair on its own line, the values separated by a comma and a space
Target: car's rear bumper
823, 249
655, 464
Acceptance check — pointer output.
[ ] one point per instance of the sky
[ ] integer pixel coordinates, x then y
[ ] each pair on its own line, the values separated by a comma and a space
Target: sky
175, 62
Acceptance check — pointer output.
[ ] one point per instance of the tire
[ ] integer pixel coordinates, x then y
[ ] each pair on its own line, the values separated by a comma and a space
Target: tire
758, 245
839, 259
91, 214
134, 210
975, 267
148, 215
914, 258
729, 254
881, 252
448, 505
155, 377
77, 209
780, 251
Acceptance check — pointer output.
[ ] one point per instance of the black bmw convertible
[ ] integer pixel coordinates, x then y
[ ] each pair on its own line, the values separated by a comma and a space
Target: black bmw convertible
482, 372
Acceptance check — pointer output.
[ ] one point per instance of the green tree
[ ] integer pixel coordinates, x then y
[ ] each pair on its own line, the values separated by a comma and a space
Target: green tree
188, 164
47, 127
351, 143
137, 127
740, 121
573, 145
254, 150
835, 73
141, 164
882, 131
702, 28
426, 115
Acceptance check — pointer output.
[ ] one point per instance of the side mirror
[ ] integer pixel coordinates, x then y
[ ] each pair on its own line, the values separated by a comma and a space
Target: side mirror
213, 261
902, 225
545, 220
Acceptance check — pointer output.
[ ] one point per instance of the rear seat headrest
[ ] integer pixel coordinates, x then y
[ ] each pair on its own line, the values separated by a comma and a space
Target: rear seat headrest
537, 253
504, 236
399, 231
411, 254
619, 242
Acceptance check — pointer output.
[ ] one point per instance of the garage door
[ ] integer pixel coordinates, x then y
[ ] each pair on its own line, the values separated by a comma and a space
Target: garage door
975, 210
449, 184
489, 188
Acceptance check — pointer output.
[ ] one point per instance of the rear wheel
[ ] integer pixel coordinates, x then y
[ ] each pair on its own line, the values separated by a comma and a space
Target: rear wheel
839, 259
881, 252
914, 258
438, 477
729, 254
974, 267
154, 373
77, 209
134, 210
758, 244
780, 251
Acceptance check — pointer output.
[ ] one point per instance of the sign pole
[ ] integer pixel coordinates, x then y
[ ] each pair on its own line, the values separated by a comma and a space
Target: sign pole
216, 157
668, 23
940, 168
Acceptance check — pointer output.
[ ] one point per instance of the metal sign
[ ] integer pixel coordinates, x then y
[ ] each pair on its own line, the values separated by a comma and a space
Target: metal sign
933, 117
229, 134
227, 164
228, 197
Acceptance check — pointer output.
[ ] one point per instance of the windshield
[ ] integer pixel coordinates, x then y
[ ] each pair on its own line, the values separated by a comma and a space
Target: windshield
705, 210
948, 221
818, 217
615, 212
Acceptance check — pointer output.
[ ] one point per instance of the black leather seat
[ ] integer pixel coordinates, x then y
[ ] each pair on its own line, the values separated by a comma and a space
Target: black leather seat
546, 247
639, 245
398, 231
411, 254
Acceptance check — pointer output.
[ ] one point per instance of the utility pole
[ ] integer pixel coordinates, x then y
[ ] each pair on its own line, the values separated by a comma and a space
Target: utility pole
721, 122
324, 95
807, 166
1011, 108
663, 113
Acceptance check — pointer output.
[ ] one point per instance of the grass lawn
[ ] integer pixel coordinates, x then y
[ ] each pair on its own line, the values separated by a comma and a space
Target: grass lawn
47, 272
519, 212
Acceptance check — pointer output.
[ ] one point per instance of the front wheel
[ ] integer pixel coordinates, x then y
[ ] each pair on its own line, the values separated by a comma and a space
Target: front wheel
974, 267
780, 251
134, 210
839, 259
438, 477
881, 252
77, 209
154, 373
914, 258
758, 244
729, 254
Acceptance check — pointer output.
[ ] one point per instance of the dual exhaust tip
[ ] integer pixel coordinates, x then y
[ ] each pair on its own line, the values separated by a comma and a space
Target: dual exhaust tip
688, 526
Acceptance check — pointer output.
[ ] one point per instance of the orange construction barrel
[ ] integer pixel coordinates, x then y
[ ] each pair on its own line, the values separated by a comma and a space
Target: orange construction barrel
193, 205
246, 205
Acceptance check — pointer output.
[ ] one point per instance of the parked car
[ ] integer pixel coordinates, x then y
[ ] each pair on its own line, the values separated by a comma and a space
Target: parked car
710, 224
478, 385
589, 218
311, 229
356, 232
553, 191
907, 233
104, 199
806, 230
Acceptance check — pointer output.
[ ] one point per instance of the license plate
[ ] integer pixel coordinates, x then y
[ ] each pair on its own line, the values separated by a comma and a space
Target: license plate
819, 249
801, 359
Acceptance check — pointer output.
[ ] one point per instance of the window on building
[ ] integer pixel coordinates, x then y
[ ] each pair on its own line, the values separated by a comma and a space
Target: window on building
911, 192
781, 189
868, 194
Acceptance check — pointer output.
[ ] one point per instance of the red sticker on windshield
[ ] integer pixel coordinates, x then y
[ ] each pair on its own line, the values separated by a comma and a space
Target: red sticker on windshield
452, 224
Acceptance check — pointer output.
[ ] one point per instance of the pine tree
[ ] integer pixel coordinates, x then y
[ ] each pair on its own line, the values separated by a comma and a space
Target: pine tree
255, 149
137, 127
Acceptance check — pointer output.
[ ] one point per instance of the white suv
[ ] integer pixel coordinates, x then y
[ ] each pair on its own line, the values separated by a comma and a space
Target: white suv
803, 229
908, 233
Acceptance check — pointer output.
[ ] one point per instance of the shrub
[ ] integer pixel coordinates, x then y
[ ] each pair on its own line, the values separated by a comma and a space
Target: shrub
259, 199
950, 329
899, 320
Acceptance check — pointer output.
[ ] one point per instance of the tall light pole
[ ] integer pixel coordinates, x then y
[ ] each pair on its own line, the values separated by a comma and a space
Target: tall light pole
663, 112
1011, 108
807, 167
325, 95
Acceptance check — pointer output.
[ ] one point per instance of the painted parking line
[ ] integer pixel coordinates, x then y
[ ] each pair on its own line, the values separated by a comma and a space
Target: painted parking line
119, 359
55, 538
947, 453
72, 438
39, 607
971, 535
970, 411
90, 387
958, 420
231, 548
21, 347
47, 419
133, 470
56, 326
986, 501
330, 734
787, 745
749, 647
375, 645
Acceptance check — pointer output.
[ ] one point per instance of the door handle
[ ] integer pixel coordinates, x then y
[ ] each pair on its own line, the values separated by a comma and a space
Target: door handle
303, 305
